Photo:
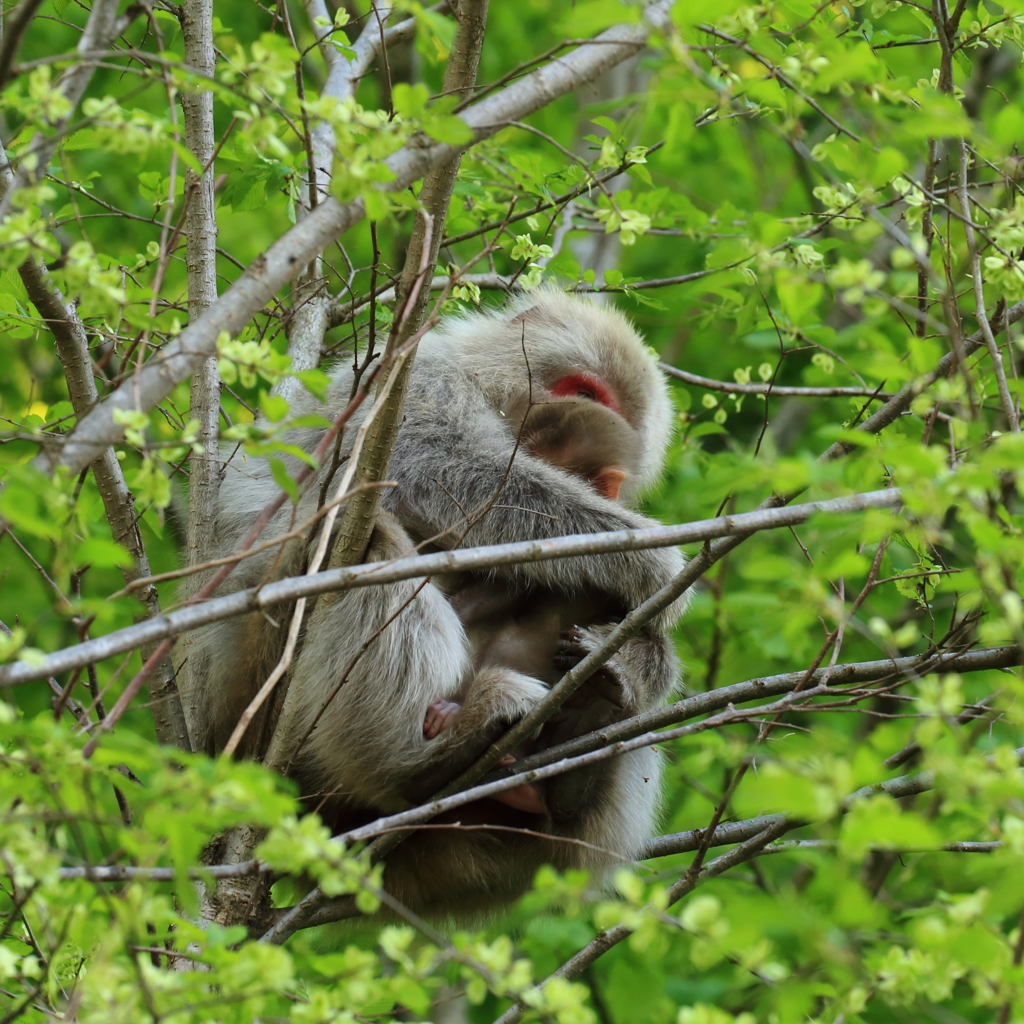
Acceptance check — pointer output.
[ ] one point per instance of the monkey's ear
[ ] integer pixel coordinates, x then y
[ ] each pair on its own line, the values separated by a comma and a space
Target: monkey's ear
609, 482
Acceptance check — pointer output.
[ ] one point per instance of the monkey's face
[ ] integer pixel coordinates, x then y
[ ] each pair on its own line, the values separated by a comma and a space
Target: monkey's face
586, 438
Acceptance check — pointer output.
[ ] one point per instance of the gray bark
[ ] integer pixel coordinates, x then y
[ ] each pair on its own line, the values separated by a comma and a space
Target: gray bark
196, 18
466, 560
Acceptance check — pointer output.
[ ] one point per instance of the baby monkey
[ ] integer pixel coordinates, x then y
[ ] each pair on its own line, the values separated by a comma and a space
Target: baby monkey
533, 631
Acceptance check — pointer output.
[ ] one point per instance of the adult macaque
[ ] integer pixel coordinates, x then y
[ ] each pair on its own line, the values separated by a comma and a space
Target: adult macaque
457, 483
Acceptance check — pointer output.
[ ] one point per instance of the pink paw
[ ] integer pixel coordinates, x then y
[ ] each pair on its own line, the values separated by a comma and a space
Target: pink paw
440, 715
522, 798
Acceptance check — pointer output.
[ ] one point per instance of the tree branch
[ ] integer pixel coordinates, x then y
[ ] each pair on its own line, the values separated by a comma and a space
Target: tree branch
775, 390
418, 566
769, 686
979, 296
196, 17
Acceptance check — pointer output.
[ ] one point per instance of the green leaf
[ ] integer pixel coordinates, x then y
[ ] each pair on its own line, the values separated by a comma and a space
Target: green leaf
295, 451
409, 101
316, 382
102, 552
274, 407
703, 429
879, 822
283, 480
451, 129
84, 138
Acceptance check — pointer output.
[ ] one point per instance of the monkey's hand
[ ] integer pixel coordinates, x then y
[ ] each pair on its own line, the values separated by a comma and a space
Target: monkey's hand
605, 698
440, 715
645, 664
609, 684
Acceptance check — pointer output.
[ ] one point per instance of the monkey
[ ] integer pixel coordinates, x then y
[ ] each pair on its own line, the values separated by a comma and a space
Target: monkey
533, 632
474, 379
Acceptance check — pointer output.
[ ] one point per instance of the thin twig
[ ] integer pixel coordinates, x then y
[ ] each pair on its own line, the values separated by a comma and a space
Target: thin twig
979, 298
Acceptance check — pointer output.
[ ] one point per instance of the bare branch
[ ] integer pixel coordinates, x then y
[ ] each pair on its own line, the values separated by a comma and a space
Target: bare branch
196, 17
830, 844
777, 390
691, 839
1009, 408
469, 559
128, 873
769, 686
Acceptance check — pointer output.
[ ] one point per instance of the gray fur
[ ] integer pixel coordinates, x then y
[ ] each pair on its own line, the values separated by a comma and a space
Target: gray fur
367, 754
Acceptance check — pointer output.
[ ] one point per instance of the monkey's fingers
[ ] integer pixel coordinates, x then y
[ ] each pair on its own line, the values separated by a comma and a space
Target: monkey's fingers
522, 798
606, 684
570, 651
440, 715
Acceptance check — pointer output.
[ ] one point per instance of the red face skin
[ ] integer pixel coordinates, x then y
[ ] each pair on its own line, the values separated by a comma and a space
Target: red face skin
608, 482
582, 385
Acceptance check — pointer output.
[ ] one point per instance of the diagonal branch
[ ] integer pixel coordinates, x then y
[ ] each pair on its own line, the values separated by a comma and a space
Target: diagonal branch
286, 258
417, 566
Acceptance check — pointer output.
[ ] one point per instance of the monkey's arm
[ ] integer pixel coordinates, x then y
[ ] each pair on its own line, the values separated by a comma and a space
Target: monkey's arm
642, 672
454, 457
362, 708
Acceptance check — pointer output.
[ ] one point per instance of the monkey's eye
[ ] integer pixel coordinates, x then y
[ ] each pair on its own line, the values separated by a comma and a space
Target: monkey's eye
579, 385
